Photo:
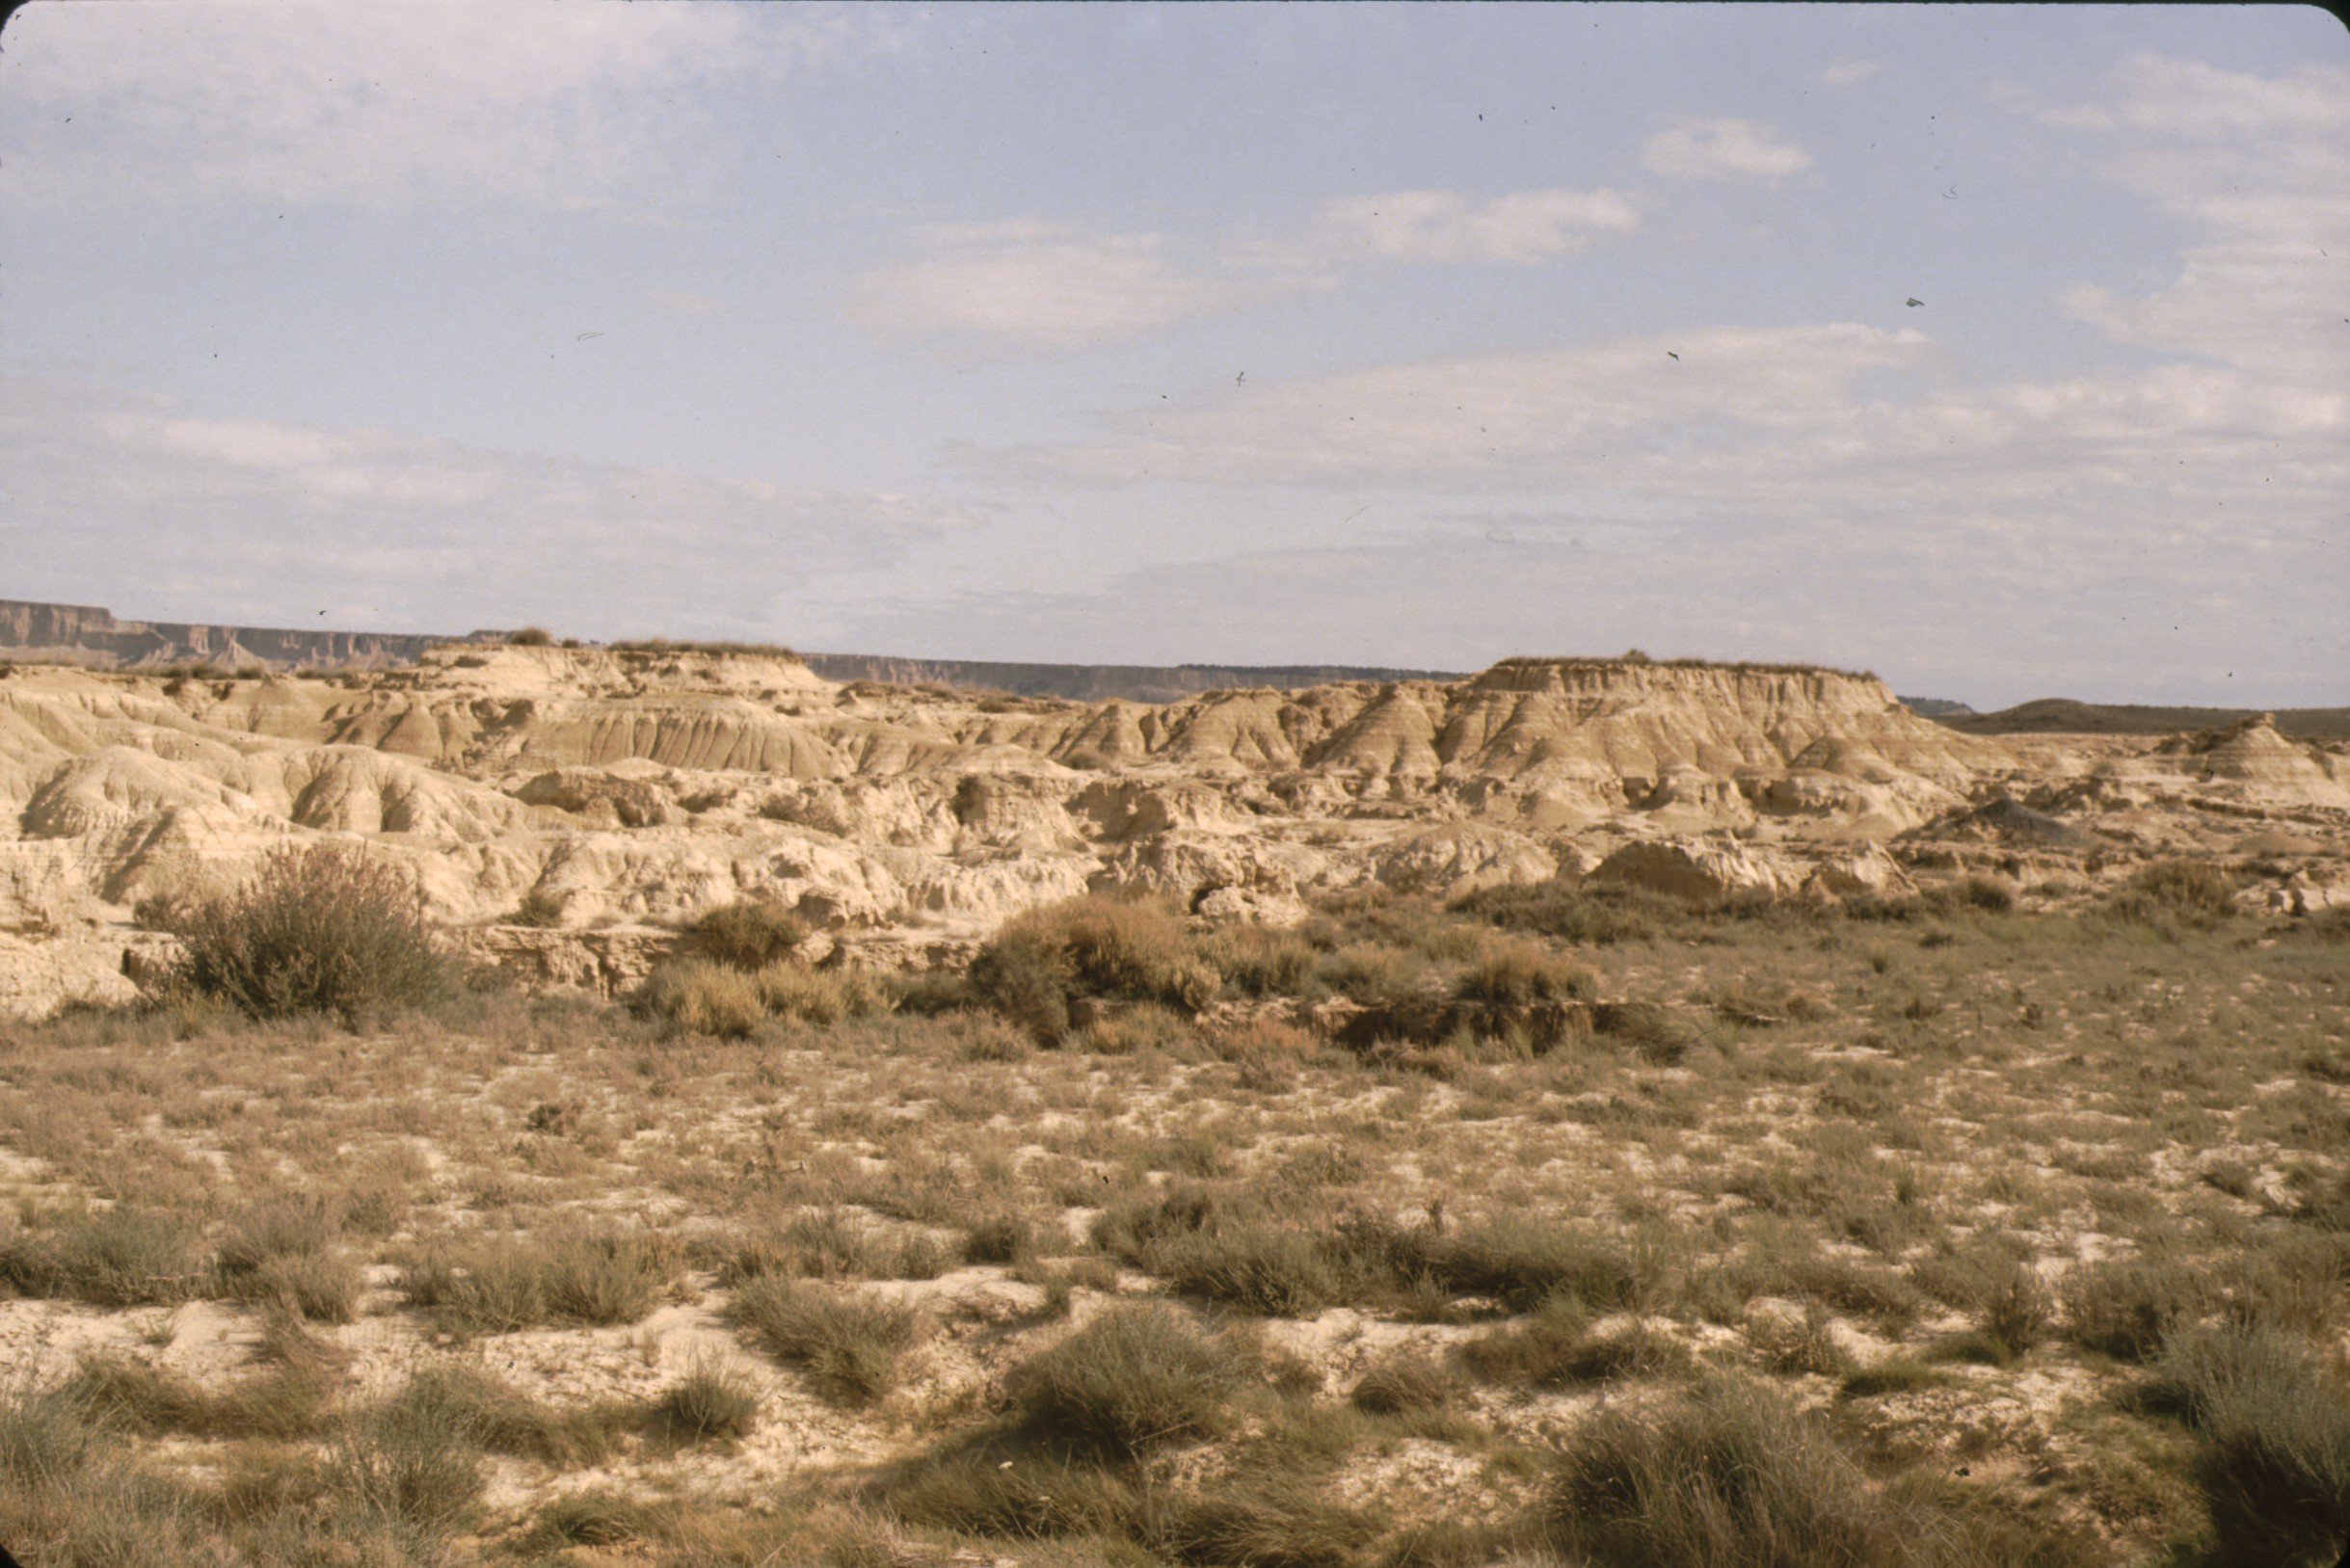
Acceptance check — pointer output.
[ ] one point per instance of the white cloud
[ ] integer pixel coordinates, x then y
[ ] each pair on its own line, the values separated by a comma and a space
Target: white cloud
1040, 285
1724, 150
1849, 72
1056, 286
378, 104
1521, 227
247, 519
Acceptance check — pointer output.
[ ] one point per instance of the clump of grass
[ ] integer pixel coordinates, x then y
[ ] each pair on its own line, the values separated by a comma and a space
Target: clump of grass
1134, 1378
1799, 1346
283, 1252
2274, 1425
1518, 974
821, 998
414, 1459
847, 1342
749, 934
1732, 1473
2128, 1308
132, 1396
1556, 1345
494, 1415
121, 1257
1018, 1493
591, 1277
326, 929
1276, 1520
709, 1404
1404, 1385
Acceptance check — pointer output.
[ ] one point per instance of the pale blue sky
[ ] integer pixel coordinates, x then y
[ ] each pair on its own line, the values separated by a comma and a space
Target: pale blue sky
1269, 333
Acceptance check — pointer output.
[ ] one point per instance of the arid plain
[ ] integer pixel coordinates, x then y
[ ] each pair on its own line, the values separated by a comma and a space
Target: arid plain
1595, 1111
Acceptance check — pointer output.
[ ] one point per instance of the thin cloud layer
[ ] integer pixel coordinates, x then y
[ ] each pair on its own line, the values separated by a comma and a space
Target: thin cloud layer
377, 105
1056, 286
229, 517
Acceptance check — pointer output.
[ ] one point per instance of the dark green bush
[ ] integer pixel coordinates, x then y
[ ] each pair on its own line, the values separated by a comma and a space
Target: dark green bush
322, 930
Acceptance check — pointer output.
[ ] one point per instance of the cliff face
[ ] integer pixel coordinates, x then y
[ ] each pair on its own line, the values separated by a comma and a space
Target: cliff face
86, 634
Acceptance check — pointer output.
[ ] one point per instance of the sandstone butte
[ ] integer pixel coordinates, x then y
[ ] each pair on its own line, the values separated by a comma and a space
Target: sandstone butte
631, 791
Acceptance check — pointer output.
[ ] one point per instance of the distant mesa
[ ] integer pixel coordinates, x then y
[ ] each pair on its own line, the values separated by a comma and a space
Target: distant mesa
2056, 715
39, 633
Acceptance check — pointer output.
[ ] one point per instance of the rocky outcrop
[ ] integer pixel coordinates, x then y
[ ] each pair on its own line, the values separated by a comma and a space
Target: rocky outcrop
629, 789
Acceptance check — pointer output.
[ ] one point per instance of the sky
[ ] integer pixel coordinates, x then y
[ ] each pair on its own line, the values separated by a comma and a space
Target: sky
2002, 351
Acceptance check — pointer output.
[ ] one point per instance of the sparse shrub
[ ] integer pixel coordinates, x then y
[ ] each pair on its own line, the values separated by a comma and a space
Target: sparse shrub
821, 998
531, 637
1566, 910
1990, 895
1649, 1027
1374, 974
2193, 892
539, 908
697, 997
1516, 973
847, 1344
999, 1239
1134, 1377
1032, 969
1025, 978
1258, 962
123, 1257
749, 934
322, 930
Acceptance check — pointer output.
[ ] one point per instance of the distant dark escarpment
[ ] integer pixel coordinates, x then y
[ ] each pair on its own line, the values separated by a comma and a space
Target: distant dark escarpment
86, 634
2056, 715
1101, 683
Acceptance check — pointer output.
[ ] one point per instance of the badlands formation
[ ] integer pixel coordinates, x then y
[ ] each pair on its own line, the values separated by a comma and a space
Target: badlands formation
629, 791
